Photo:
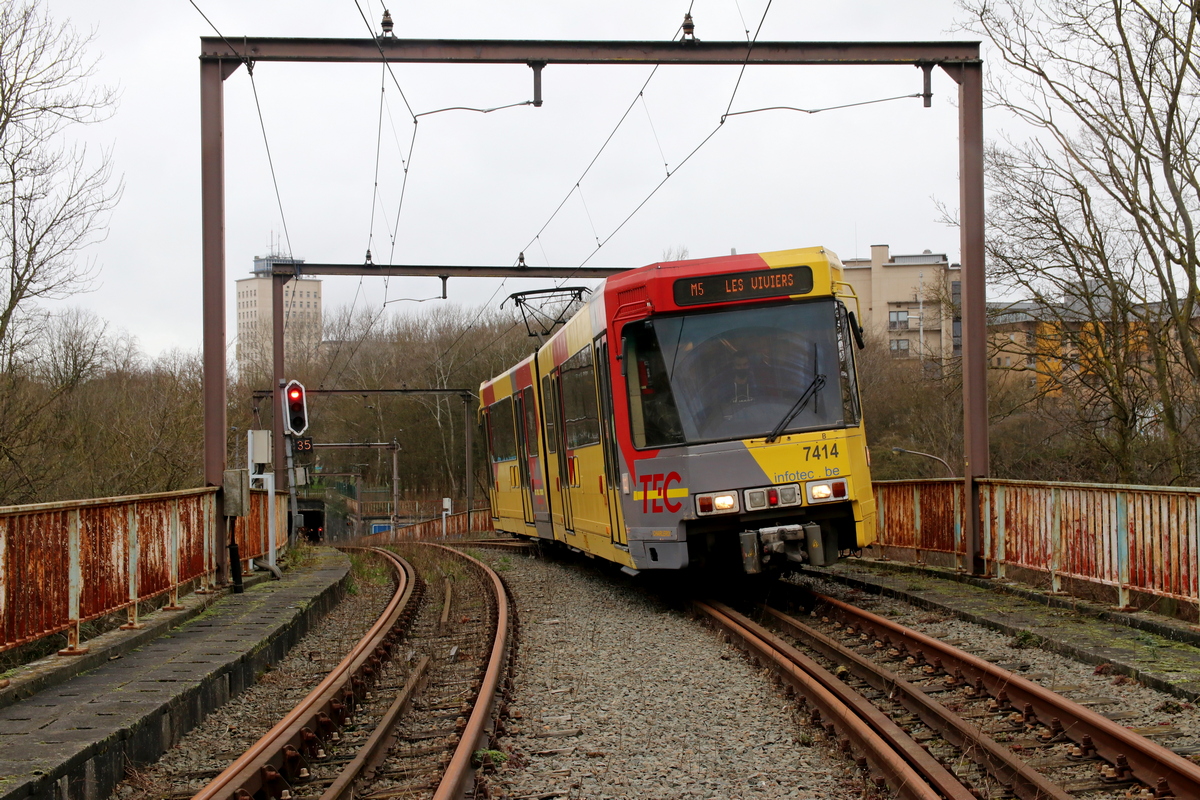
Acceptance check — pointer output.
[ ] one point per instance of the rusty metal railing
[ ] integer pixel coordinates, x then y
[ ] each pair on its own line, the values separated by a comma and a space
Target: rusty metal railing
63, 564
1141, 540
457, 527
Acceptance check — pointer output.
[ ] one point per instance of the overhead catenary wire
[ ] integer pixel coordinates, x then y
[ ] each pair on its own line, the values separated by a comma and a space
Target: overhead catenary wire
650, 120
693, 152
394, 230
826, 108
749, 50
537, 237
375, 198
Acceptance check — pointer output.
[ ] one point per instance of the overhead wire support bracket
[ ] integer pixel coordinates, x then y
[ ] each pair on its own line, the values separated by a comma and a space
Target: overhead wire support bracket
536, 66
927, 82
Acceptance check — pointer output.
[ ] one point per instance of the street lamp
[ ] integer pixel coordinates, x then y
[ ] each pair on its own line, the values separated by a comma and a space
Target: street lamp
926, 455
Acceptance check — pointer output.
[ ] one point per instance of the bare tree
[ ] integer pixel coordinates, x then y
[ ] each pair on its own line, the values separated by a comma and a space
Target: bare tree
1094, 216
55, 197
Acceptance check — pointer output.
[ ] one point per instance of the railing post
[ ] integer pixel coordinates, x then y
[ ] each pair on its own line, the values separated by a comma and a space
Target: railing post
959, 552
1122, 536
918, 538
135, 556
75, 586
173, 603
1056, 540
206, 580
1001, 529
879, 525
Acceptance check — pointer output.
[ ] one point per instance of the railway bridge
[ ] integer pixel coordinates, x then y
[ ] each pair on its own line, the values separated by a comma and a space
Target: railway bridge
65, 564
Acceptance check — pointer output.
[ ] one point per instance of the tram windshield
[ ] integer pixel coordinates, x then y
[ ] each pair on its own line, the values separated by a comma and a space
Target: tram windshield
738, 374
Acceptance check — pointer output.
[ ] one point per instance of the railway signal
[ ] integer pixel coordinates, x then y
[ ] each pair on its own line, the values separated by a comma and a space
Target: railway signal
295, 409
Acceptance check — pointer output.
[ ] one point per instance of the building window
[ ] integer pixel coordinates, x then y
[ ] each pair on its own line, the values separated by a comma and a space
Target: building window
956, 293
899, 348
898, 320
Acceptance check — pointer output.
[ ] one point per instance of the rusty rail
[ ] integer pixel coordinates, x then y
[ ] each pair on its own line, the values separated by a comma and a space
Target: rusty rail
1131, 755
475, 734
1025, 782
66, 563
372, 754
910, 771
274, 762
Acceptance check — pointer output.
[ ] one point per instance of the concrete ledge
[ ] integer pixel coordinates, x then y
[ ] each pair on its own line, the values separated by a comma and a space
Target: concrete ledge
74, 740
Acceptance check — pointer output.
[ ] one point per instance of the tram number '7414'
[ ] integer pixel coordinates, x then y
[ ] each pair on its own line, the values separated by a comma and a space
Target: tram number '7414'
816, 452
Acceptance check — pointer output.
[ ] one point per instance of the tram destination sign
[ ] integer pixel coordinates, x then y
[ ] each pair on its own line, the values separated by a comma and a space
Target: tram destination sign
743, 286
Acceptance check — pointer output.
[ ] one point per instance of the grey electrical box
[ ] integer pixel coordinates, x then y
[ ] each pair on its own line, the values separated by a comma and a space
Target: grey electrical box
301, 476
259, 446
236, 493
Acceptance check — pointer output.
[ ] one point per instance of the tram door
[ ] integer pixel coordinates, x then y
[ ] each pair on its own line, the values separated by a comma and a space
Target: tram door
561, 460
527, 451
608, 440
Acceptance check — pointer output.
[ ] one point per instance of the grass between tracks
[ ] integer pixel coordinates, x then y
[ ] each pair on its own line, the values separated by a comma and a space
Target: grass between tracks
367, 570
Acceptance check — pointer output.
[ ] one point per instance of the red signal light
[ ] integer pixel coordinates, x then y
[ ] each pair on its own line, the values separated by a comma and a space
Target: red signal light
295, 409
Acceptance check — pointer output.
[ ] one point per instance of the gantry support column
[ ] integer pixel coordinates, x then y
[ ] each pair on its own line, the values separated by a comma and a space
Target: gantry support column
974, 305
212, 206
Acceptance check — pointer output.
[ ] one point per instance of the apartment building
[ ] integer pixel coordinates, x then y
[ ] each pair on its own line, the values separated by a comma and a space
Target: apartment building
301, 314
910, 302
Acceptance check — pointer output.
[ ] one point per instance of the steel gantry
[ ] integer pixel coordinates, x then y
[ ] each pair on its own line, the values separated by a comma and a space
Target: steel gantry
219, 59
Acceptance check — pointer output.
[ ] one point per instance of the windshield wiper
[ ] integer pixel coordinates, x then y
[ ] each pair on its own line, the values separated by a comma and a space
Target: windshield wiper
817, 384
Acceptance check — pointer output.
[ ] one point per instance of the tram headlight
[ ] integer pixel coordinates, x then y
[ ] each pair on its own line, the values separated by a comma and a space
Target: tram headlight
717, 503
825, 491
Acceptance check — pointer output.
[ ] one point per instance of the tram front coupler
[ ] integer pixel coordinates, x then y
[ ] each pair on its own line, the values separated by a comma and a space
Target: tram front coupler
804, 544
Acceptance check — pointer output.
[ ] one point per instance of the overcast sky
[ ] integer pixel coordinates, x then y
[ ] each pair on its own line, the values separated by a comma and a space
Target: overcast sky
480, 187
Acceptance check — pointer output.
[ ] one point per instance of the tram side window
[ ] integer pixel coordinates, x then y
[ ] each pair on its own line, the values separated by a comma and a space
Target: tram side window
504, 432
531, 430
581, 422
550, 413
849, 380
654, 418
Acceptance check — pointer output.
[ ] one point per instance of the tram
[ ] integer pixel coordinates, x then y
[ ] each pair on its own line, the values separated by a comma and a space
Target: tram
692, 413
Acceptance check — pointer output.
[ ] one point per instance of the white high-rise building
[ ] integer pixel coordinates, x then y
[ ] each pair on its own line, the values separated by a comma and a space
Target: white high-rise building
301, 316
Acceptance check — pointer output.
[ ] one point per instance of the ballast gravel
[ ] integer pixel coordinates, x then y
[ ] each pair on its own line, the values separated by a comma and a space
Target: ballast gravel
620, 696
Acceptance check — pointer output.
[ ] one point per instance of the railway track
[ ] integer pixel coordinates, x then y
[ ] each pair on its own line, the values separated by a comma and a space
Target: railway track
407, 711
515, 545
910, 707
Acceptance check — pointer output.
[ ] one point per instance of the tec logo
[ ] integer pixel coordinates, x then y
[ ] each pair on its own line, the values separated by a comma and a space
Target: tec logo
657, 492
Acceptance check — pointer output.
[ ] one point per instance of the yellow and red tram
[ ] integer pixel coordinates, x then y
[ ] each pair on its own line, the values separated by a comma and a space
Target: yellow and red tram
698, 412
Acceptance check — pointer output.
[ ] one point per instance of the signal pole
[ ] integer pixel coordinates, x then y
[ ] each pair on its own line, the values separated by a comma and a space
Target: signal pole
291, 469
